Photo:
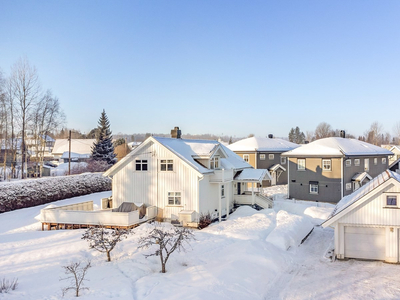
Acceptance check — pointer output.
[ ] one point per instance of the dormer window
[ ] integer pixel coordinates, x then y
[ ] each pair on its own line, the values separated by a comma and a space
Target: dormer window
214, 162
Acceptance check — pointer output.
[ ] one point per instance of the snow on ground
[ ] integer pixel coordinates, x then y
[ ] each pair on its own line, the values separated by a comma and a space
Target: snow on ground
244, 257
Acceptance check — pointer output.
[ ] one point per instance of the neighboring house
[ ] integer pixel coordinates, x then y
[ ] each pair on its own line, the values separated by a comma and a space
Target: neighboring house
81, 149
44, 143
329, 169
5, 151
396, 152
367, 222
185, 178
265, 153
395, 166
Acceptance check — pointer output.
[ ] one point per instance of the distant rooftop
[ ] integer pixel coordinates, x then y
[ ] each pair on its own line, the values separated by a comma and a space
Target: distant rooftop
263, 144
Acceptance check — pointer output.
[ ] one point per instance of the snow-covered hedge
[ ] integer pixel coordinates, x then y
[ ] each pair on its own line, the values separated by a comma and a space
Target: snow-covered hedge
27, 193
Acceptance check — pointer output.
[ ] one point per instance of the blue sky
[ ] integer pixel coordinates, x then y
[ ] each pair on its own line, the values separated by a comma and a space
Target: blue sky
220, 67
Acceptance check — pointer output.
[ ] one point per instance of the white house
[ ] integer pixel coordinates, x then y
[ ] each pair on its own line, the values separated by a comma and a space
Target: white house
184, 178
367, 222
81, 149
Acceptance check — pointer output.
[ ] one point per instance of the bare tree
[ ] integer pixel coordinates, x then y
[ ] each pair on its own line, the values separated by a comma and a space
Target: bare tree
166, 241
310, 136
396, 133
26, 88
104, 240
77, 276
323, 130
374, 135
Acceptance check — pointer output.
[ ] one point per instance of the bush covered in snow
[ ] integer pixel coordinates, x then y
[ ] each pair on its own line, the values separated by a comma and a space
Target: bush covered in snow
27, 193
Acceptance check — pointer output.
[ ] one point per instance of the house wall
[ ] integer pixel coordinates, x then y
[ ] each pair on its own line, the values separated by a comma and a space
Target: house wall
329, 182
268, 163
210, 196
151, 187
374, 170
252, 157
374, 213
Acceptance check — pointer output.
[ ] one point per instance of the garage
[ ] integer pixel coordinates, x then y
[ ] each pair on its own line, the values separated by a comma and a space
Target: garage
364, 242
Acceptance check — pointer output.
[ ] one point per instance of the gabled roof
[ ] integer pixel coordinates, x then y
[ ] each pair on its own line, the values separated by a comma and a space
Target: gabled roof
395, 147
394, 163
347, 202
361, 176
80, 146
276, 167
263, 144
337, 147
252, 175
189, 151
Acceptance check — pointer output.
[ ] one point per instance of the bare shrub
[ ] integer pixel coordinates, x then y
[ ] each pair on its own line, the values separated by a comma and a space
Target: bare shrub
77, 276
97, 166
167, 240
8, 285
104, 240
204, 220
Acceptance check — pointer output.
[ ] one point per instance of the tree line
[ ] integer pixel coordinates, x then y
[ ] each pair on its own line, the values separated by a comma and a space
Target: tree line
375, 134
29, 114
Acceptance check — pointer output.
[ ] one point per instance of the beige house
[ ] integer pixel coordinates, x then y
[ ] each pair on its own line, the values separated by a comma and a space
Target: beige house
367, 222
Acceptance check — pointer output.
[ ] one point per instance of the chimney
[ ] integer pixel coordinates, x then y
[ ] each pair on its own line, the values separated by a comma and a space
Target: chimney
271, 136
176, 133
342, 134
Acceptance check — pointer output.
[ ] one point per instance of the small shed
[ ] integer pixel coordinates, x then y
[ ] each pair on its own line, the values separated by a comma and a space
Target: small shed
367, 222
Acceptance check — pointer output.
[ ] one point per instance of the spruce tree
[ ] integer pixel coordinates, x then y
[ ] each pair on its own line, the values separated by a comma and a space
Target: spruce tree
103, 148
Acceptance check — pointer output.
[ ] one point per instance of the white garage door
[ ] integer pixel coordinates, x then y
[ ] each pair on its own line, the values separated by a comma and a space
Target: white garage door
364, 242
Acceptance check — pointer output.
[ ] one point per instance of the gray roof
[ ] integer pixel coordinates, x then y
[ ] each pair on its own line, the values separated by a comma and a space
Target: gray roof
263, 144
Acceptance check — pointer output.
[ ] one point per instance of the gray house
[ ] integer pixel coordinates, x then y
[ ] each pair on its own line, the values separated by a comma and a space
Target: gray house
331, 168
265, 153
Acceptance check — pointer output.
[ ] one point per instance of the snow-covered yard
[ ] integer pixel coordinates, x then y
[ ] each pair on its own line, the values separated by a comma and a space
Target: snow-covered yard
244, 257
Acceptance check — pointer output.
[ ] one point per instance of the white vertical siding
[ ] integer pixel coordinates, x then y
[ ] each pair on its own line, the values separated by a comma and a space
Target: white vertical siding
209, 196
152, 186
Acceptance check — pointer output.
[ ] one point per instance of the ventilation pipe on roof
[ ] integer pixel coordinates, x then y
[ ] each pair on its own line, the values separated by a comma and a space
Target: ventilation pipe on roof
271, 136
342, 133
176, 133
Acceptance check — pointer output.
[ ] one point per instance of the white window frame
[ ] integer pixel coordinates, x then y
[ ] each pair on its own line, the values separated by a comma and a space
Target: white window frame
366, 164
283, 160
325, 164
348, 186
356, 185
387, 198
375, 161
176, 198
214, 163
356, 162
246, 157
300, 166
262, 156
166, 163
314, 189
348, 162
141, 163
271, 156
222, 191
383, 160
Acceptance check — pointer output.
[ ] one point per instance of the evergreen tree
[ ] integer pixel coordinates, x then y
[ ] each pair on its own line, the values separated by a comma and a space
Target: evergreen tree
103, 148
296, 136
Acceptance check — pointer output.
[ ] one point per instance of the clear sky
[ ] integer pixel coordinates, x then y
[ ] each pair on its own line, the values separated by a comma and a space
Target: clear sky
220, 67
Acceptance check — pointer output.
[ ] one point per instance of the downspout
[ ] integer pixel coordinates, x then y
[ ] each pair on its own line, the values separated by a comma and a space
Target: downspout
288, 178
341, 181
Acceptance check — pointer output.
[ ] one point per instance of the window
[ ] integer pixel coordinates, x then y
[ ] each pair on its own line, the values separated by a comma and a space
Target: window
348, 162
356, 185
357, 162
313, 188
391, 200
348, 186
166, 165
141, 165
214, 163
271, 156
222, 191
366, 164
246, 157
174, 198
326, 165
301, 164
375, 161
262, 156
383, 160
283, 160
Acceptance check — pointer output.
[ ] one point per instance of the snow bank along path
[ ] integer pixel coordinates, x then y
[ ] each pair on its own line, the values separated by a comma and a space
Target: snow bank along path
235, 259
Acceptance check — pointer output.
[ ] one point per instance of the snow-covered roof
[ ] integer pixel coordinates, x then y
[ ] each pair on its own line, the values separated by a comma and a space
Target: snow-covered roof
263, 144
361, 176
190, 150
395, 147
394, 163
257, 175
348, 200
80, 146
276, 167
337, 147
74, 155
